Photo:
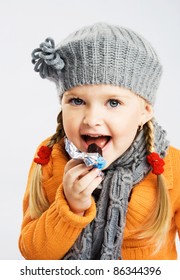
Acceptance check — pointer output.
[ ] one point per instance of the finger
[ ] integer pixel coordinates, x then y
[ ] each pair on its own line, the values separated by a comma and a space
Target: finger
76, 172
91, 187
86, 180
71, 163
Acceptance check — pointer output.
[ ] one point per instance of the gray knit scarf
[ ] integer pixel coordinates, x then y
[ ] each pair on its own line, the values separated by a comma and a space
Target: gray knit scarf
102, 238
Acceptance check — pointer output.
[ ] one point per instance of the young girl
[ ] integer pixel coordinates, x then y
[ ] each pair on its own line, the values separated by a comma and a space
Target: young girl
107, 77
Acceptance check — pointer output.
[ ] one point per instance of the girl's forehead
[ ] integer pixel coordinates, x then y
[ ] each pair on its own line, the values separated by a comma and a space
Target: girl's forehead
105, 90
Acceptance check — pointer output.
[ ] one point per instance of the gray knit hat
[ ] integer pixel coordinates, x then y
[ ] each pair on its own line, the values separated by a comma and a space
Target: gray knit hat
101, 54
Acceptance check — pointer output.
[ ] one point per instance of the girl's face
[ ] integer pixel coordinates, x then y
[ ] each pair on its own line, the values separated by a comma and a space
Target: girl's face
103, 114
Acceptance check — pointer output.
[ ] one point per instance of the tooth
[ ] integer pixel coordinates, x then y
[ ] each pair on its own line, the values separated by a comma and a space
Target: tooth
94, 136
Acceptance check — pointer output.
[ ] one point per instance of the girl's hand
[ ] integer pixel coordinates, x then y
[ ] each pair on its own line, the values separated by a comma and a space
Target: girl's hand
79, 181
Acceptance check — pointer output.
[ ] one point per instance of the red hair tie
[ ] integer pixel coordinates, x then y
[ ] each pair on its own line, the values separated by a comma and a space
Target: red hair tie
156, 162
44, 154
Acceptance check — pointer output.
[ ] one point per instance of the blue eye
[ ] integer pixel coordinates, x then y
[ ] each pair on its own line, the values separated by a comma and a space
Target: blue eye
113, 103
76, 101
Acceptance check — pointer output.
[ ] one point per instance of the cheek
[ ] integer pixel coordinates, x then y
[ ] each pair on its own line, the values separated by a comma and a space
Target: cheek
125, 129
70, 124
127, 123
66, 122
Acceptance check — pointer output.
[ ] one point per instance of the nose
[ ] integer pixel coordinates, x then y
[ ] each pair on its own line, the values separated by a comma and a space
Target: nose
92, 117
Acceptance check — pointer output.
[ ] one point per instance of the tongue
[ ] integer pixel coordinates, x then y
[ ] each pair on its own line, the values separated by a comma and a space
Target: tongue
99, 141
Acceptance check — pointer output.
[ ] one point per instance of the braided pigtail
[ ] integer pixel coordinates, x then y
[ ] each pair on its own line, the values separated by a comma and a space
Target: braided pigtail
37, 200
158, 222
59, 132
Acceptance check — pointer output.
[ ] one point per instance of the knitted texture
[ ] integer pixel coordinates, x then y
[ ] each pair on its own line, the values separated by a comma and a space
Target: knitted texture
102, 239
104, 54
62, 226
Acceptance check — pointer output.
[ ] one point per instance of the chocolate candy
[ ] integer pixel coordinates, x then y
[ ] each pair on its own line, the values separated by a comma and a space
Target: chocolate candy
93, 156
93, 148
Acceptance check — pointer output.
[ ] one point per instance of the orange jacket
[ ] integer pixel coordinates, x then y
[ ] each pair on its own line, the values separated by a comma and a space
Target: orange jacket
54, 232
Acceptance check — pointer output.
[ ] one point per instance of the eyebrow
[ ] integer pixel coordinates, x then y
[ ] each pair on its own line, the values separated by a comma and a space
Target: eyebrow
116, 96
105, 95
67, 93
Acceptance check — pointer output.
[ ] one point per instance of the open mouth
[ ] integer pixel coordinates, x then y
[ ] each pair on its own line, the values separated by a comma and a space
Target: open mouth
99, 140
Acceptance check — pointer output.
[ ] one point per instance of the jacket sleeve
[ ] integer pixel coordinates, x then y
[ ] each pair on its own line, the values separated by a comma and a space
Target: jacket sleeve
50, 236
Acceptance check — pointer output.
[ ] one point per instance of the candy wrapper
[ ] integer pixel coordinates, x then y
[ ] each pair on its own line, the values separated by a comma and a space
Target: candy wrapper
90, 158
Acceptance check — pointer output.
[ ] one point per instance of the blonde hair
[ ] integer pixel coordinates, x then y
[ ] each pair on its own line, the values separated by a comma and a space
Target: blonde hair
158, 222
37, 200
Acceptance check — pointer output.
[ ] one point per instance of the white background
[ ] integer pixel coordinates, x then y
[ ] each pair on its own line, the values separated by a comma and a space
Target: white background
29, 105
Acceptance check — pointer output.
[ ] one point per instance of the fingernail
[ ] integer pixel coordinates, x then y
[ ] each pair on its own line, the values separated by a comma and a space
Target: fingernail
101, 174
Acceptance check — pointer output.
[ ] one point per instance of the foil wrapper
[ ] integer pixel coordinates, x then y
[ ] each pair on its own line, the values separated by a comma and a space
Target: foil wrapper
90, 159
